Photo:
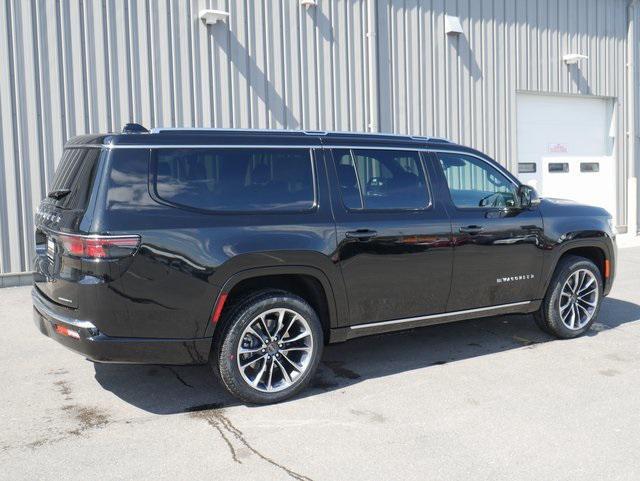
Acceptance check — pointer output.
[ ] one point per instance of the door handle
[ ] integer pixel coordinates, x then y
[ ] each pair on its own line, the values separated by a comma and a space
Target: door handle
472, 229
361, 234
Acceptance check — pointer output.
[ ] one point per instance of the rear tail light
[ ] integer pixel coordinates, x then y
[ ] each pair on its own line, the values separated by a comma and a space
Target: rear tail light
98, 247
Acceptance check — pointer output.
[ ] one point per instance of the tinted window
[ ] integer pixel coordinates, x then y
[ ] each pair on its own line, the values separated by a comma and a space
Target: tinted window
72, 184
381, 179
474, 183
235, 179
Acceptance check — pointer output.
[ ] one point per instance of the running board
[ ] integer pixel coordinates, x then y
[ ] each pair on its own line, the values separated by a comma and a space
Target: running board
358, 330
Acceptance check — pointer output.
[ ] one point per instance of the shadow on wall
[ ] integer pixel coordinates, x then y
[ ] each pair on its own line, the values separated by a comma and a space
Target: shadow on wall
578, 78
245, 64
463, 50
257, 80
178, 389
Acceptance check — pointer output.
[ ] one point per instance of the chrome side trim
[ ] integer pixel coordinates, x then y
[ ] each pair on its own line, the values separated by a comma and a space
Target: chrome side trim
85, 146
39, 304
89, 236
443, 315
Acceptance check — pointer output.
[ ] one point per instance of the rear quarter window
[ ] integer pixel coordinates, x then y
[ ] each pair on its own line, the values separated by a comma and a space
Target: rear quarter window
74, 178
235, 180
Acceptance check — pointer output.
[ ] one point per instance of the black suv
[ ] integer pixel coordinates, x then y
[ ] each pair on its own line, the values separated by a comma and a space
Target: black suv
252, 249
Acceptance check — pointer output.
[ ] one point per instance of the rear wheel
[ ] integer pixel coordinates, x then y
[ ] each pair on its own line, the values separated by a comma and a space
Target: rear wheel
573, 299
270, 348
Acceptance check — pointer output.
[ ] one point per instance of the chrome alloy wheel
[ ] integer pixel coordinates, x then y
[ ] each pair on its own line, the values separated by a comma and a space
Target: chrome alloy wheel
579, 299
275, 349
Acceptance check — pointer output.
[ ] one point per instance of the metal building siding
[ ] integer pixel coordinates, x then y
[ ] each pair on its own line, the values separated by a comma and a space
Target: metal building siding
75, 66
470, 81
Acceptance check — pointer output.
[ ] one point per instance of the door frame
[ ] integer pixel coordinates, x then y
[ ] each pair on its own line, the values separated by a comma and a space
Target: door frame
343, 214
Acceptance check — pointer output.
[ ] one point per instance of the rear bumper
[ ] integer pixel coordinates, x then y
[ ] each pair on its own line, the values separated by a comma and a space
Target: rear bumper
96, 346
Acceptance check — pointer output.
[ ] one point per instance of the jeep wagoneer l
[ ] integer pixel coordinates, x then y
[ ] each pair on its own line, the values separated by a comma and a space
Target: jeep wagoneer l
252, 249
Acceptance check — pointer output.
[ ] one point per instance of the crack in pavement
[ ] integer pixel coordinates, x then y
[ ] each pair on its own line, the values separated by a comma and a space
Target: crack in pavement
216, 419
178, 376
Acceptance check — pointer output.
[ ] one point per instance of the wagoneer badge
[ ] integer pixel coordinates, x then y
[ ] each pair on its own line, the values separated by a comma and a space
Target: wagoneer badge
524, 277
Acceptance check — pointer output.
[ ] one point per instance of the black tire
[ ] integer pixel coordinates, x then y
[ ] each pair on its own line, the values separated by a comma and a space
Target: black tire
225, 348
548, 317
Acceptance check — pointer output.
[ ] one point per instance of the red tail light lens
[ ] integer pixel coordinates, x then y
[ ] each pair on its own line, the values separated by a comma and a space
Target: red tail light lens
65, 331
99, 247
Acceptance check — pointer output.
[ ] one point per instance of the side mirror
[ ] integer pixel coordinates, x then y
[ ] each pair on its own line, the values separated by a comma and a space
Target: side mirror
528, 197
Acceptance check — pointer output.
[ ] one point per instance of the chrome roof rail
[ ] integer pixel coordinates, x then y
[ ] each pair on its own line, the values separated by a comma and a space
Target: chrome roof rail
157, 130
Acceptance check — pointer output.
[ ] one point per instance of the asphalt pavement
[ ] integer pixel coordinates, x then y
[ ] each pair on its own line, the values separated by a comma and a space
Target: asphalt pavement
485, 399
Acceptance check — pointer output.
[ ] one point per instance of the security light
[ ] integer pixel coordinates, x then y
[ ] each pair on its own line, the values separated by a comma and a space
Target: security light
308, 3
573, 58
213, 16
452, 25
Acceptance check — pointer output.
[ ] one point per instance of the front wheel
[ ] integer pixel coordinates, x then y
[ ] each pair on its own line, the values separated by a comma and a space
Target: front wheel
573, 299
271, 347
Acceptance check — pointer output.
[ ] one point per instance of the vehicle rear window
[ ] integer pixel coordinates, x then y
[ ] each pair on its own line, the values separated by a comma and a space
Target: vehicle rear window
72, 184
236, 180
381, 179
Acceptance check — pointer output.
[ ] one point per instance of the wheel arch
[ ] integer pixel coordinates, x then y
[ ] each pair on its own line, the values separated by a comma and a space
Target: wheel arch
308, 282
594, 250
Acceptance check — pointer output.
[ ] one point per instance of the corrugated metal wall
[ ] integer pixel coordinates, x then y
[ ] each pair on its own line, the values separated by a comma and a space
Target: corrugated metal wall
464, 87
75, 66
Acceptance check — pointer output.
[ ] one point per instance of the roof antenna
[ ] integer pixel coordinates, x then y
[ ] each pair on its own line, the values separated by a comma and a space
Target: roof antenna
133, 128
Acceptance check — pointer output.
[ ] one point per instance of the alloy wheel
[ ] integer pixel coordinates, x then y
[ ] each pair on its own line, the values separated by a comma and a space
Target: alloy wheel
579, 299
275, 350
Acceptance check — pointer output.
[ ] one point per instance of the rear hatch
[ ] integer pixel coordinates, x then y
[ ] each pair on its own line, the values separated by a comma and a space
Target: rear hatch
60, 218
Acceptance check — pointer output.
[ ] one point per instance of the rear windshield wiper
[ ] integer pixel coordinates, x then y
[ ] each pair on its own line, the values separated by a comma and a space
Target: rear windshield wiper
58, 194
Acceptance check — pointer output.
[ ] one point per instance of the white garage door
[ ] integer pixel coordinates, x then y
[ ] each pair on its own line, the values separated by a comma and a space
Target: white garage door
565, 147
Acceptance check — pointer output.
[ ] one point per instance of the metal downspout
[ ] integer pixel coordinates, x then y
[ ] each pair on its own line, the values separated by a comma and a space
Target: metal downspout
632, 113
372, 47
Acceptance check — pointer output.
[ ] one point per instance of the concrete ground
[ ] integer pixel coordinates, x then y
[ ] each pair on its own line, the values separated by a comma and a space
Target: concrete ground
487, 399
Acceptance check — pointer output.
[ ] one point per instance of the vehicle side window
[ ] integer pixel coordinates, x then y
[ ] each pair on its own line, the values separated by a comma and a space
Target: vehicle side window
235, 180
381, 179
474, 183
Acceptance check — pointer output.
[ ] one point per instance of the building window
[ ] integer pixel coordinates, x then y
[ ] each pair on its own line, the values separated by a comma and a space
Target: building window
527, 168
559, 167
589, 167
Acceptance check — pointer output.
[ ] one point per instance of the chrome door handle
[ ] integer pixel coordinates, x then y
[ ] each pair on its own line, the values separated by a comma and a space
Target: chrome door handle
361, 234
472, 229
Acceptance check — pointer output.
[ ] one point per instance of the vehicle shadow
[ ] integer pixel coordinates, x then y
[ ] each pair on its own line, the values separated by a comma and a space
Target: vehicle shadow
178, 389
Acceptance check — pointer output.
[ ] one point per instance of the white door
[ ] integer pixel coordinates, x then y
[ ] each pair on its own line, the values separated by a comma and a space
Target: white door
565, 147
